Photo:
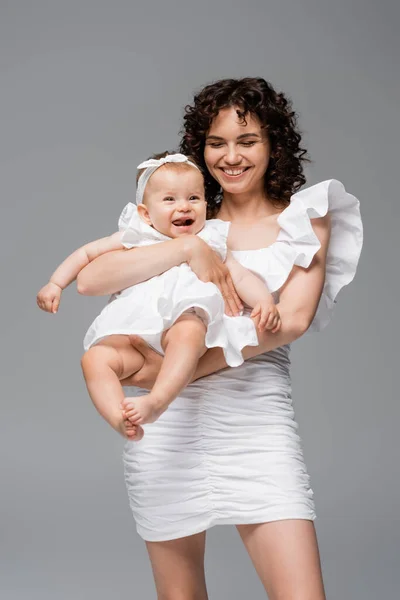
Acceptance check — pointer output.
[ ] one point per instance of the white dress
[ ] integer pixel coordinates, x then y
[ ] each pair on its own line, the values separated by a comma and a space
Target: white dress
227, 450
151, 307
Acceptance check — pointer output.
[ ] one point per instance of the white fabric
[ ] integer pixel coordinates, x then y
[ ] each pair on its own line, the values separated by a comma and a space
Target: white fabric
297, 243
152, 165
227, 450
137, 232
150, 308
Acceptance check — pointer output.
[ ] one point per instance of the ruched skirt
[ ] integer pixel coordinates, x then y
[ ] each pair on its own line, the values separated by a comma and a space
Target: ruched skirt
227, 451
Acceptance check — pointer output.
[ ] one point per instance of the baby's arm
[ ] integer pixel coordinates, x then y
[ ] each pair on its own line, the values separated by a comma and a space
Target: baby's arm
48, 299
254, 292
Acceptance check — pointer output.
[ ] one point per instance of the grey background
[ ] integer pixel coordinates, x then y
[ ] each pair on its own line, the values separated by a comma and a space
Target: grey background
89, 89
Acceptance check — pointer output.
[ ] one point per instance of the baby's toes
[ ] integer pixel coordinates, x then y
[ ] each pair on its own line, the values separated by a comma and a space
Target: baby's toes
135, 419
131, 412
126, 403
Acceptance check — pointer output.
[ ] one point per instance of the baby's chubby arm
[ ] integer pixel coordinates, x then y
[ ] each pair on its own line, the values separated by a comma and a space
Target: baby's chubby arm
48, 298
255, 294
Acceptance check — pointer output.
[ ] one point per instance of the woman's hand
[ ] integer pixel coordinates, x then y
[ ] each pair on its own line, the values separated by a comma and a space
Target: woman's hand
208, 267
147, 375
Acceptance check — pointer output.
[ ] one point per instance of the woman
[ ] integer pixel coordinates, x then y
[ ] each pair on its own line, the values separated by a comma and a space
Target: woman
227, 450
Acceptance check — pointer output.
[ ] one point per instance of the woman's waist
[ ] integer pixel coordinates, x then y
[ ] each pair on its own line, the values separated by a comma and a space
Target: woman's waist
263, 370
263, 374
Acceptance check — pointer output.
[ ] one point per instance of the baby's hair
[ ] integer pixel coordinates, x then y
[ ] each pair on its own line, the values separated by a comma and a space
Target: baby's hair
172, 165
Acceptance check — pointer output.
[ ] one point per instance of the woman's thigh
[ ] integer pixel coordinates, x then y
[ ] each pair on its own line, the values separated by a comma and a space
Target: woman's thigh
286, 557
178, 568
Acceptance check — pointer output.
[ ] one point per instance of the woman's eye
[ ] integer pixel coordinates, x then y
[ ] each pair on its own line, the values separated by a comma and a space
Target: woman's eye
216, 145
248, 144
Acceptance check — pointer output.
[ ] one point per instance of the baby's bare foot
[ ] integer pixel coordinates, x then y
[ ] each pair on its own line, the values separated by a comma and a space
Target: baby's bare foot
143, 409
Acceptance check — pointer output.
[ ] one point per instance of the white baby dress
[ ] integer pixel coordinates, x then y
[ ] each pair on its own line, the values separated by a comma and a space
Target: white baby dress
151, 307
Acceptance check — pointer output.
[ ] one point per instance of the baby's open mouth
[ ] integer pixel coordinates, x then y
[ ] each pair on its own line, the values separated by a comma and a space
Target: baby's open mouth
184, 222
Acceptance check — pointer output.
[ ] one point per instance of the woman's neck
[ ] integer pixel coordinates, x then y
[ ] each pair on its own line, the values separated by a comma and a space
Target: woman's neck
246, 207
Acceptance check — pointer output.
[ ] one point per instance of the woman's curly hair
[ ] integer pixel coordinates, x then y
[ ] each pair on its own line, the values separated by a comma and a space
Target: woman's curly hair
257, 97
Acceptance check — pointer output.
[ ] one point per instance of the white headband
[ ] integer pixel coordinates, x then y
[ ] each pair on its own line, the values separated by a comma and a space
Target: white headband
152, 165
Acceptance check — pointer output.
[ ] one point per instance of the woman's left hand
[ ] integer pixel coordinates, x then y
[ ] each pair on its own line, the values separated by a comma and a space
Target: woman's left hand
147, 375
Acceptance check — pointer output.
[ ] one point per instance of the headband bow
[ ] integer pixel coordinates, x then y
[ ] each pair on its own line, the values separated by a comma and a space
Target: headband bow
152, 165
170, 158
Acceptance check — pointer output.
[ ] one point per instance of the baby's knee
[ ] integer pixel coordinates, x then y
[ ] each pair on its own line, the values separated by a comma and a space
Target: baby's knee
96, 358
187, 329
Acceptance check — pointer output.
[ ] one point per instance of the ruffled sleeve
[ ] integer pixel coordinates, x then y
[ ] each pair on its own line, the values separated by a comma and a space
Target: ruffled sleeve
345, 243
215, 233
135, 231
297, 243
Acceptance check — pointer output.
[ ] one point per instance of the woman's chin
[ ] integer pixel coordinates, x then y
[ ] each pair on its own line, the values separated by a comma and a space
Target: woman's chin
237, 188
242, 185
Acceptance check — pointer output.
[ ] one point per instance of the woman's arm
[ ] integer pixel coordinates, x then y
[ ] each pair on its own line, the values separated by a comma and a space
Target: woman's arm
116, 271
299, 298
48, 298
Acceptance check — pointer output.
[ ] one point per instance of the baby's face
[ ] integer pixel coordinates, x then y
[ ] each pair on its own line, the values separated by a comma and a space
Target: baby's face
174, 201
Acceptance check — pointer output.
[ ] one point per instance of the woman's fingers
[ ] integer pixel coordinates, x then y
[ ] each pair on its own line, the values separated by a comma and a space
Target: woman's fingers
256, 321
271, 320
208, 266
263, 319
140, 345
234, 295
276, 324
233, 304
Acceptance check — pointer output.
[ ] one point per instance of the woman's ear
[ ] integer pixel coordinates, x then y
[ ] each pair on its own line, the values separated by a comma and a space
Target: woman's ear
144, 214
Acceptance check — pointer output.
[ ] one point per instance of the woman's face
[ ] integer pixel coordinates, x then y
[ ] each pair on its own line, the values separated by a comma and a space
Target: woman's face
237, 153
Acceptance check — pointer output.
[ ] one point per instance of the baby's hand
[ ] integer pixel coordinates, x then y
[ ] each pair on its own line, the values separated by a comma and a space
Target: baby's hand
267, 315
48, 299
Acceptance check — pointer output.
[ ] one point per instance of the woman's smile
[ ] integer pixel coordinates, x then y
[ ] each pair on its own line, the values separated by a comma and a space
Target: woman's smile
237, 152
233, 174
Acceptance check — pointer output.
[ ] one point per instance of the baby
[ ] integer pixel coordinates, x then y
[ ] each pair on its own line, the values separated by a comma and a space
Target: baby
176, 313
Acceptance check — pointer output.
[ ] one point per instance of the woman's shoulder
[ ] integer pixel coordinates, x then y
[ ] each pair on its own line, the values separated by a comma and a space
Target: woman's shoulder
324, 215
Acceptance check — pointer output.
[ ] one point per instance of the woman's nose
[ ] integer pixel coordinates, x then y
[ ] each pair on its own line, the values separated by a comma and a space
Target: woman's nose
232, 155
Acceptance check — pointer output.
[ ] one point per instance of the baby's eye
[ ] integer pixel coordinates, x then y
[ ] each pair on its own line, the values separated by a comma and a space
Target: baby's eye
194, 198
169, 199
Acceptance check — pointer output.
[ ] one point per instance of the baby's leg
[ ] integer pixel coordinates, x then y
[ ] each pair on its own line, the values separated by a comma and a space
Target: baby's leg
103, 366
183, 345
